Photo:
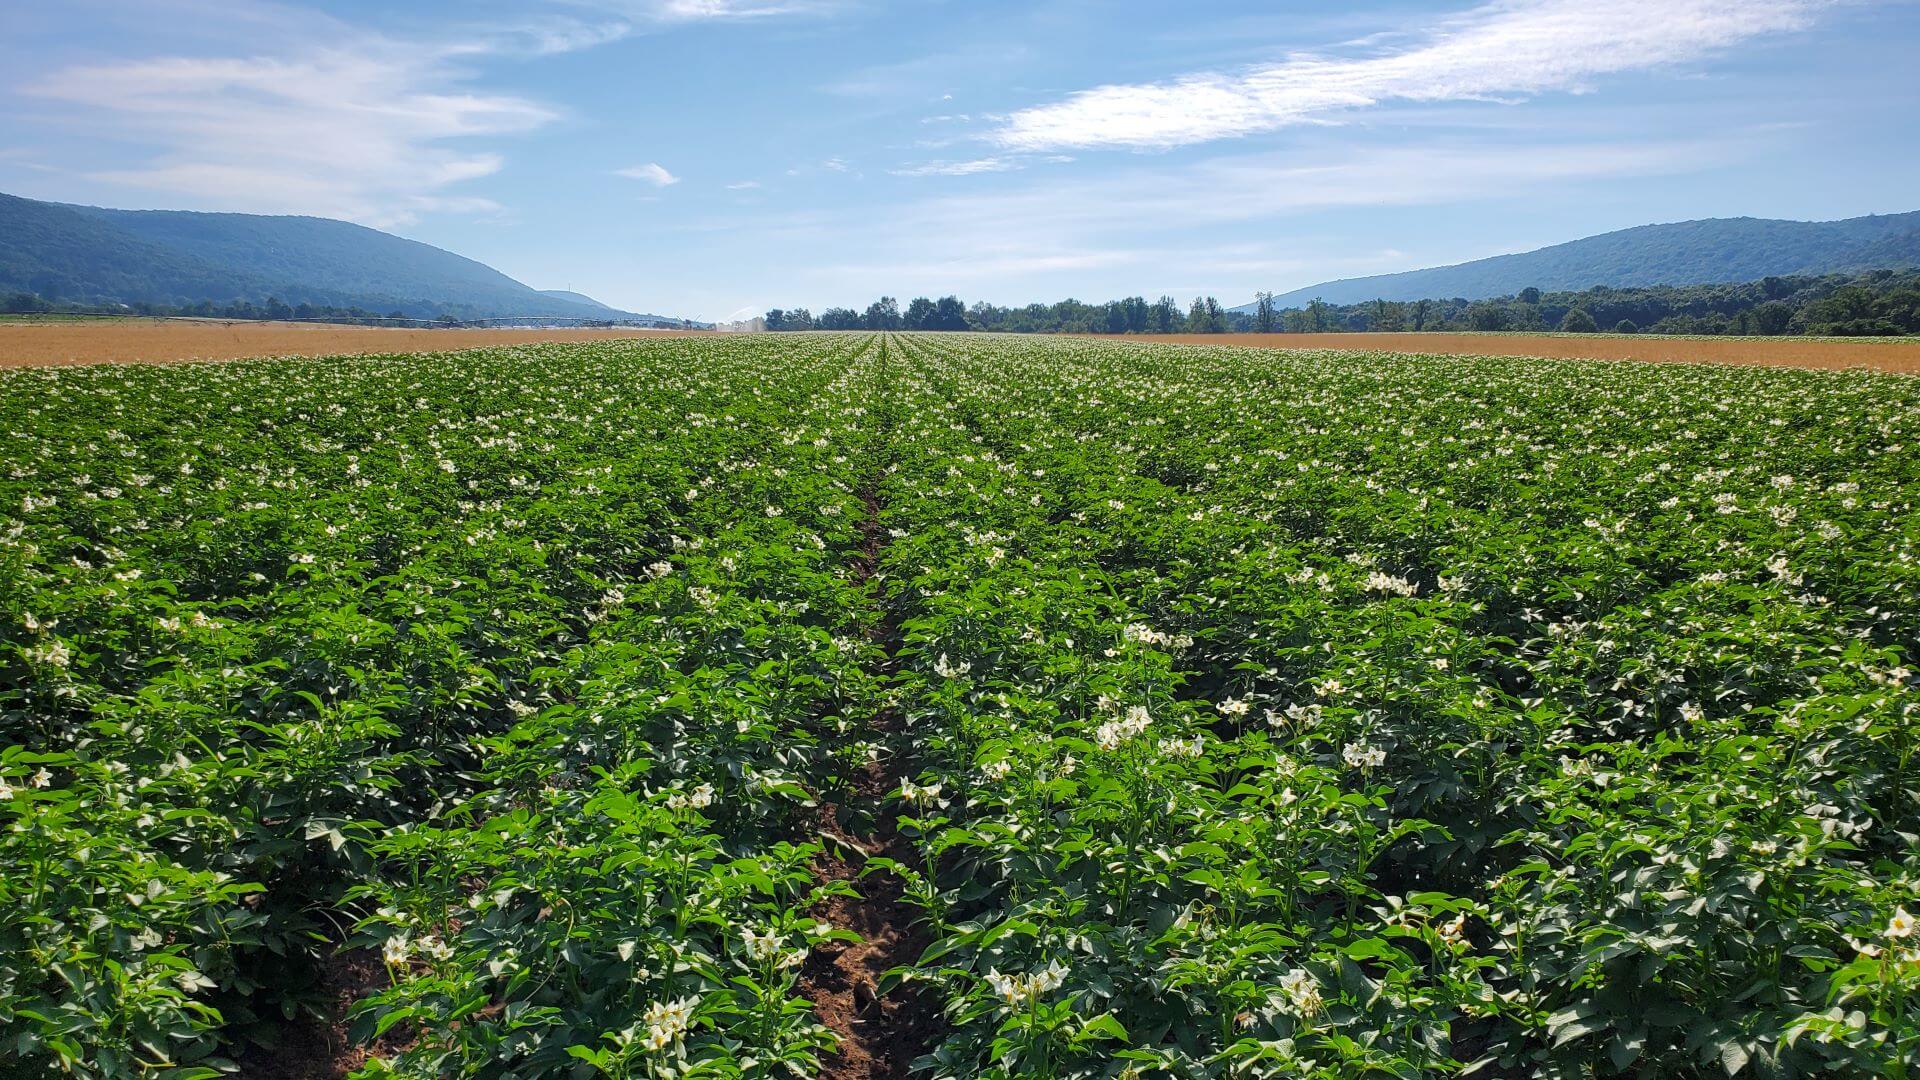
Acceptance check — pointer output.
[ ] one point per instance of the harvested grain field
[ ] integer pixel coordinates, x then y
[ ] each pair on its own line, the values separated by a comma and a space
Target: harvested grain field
1878, 354
36, 344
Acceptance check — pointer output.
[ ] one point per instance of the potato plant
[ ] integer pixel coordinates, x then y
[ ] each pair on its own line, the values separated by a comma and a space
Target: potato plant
1337, 716
513, 669
1260, 714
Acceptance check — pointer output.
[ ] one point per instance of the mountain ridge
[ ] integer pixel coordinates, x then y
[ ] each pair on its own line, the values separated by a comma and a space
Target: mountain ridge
179, 258
1704, 251
575, 297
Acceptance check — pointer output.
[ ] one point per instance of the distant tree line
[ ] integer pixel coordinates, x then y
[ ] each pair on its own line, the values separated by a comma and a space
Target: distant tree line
1130, 316
1881, 303
272, 309
946, 313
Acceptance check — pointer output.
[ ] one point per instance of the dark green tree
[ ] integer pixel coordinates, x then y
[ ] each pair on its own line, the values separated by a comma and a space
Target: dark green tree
1577, 321
1166, 316
920, 314
1389, 317
1265, 318
1216, 317
882, 314
1772, 317
1488, 316
949, 314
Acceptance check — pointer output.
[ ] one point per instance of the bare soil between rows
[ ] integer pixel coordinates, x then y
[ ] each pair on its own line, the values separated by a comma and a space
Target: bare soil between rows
880, 1035
1897, 357
319, 1047
42, 344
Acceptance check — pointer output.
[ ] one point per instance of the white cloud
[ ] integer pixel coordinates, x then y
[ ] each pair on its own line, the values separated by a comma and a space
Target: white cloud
830, 165
727, 9
650, 173
1504, 49
744, 185
554, 37
357, 129
1252, 187
960, 168
686, 11
1159, 225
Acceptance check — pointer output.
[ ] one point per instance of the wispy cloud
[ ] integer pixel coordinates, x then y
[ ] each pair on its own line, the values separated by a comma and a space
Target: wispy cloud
960, 168
294, 111
830, 165
1158, 224
744, 185
1502, 50
1253, 187
650, 173
552, 37
684, 11
359, 129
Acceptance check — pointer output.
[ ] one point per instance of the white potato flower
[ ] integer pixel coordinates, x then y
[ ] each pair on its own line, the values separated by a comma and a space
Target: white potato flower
1360, 755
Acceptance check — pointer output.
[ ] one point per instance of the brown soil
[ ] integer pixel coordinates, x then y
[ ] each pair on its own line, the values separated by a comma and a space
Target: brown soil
880, 1036
1892, 356
317, 1048
36, 344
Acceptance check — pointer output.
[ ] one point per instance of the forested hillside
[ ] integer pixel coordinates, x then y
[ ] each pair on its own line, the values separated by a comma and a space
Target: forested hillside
1712, 251
176, 260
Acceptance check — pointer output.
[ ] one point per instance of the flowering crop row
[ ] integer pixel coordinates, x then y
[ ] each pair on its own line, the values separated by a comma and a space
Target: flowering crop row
1321, 715
1269, 714
514, 672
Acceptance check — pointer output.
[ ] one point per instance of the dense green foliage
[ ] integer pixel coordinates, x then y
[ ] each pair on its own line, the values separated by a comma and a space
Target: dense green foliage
512, 668
946, 313
1264, 713
1339, 716
1683, 253
176, 259
1882, 303
276, 309
1133, 315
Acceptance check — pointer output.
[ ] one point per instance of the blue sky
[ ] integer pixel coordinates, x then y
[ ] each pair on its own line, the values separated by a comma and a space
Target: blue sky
713, 158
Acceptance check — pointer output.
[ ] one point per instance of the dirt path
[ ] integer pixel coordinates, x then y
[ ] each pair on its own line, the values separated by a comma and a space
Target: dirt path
1899, 357
40, 344
880, 1035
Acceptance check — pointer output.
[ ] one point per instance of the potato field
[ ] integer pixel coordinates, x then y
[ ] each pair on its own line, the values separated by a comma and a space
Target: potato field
957, 707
